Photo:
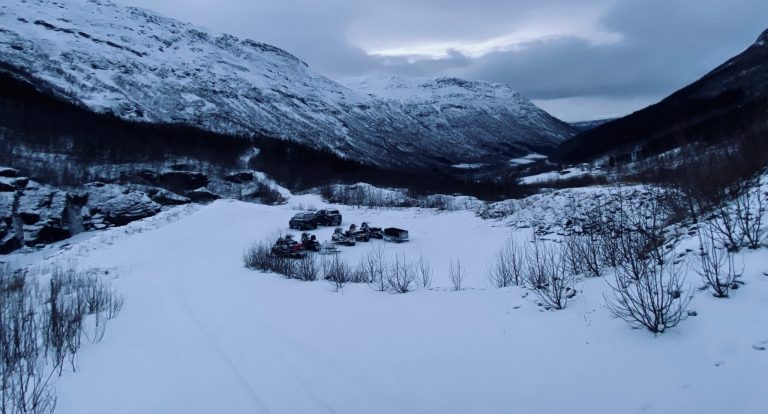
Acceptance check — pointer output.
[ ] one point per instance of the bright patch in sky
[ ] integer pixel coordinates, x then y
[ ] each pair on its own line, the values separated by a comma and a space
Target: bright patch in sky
516, 40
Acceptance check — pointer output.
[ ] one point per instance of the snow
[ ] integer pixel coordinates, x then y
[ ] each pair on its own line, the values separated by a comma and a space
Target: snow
200, 333
552, 176
467, 166
528, 159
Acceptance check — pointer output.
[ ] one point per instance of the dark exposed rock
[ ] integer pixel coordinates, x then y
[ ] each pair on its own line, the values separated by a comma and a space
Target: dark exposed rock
202, 196
240, 177
8, 172
9, 243
167, 198
180, 181
112, 204
182, 167
29, 217
6, 186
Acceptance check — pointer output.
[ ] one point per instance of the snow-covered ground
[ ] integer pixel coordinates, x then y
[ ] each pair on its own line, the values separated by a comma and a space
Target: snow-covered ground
528, 159
199, 333
554, 176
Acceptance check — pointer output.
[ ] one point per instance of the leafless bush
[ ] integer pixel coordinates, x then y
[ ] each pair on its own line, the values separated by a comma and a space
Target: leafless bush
306, 269
41, 329
507, 270
655, 300
650, 224
259, 257
456, 274
610, 251
725, 224
337, 271
376, 268
547, 275
714, 264
424, 272
584, 253
360, 273
750, 209
401, 276
634, 258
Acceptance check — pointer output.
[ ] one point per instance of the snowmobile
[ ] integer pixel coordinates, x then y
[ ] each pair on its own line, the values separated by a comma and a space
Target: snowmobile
372, 232
286, 247
328, 248
357, 235
309, 242
342, 238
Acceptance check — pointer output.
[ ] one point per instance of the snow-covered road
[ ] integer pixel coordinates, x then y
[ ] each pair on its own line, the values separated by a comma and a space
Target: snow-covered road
201, 334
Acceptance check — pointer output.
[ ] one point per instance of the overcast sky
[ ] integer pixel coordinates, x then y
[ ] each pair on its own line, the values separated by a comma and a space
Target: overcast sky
579, 60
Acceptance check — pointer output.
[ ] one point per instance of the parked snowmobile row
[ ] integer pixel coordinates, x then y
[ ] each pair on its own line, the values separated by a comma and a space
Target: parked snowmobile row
287, 247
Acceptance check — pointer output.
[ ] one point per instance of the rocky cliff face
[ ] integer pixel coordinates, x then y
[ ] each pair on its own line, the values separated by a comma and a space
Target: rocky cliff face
143, 66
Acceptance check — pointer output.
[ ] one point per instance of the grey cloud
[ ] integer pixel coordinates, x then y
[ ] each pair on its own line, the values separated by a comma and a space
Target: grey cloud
665, 43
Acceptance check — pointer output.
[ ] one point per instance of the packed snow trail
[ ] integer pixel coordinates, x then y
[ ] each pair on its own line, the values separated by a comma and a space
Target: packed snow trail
199, 333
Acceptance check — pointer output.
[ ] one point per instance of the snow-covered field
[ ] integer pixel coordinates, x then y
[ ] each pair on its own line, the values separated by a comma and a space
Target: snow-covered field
199, 333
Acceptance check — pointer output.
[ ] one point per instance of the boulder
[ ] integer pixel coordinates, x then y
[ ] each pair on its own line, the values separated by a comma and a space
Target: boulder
9, 172
116, 205
6, 186
202, 196
240, 177
167, 198
9, 243
180, 181
42, 211
182, 166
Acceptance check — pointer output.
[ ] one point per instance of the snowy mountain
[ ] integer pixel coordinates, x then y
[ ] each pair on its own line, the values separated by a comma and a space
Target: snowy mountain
142, 66
460, 108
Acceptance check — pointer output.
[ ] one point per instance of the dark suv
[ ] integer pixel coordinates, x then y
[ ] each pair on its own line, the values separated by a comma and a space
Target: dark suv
303, 221
328, 217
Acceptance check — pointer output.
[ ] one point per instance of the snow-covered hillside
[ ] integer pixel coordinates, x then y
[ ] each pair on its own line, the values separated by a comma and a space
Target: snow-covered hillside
463, 108
143, 66
200, 333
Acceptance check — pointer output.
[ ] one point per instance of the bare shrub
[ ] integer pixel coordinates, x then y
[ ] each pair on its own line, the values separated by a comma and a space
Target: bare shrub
41, 329
507, 269
634, 259
424, 272
655, 301
456, 274
584, 253
714, 264
337, 271
650, 224
259, 257
306, 269
724, 223
547, 275
376, 268
750, 209
400, 276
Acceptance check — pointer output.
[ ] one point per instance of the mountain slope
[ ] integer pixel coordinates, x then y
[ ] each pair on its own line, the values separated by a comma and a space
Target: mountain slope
460, 108
142, 66
731, 100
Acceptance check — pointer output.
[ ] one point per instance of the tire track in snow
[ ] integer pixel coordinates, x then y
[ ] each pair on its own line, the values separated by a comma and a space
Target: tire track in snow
254, 396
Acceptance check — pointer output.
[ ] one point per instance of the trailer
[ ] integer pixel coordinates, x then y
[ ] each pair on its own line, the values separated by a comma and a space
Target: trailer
393, 234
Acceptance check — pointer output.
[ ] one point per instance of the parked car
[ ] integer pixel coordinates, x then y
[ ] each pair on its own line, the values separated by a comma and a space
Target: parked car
396, 235
328, 217
303, 221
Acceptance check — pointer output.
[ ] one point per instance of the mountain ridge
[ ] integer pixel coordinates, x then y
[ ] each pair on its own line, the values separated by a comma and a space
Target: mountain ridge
142, 66
729, 101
